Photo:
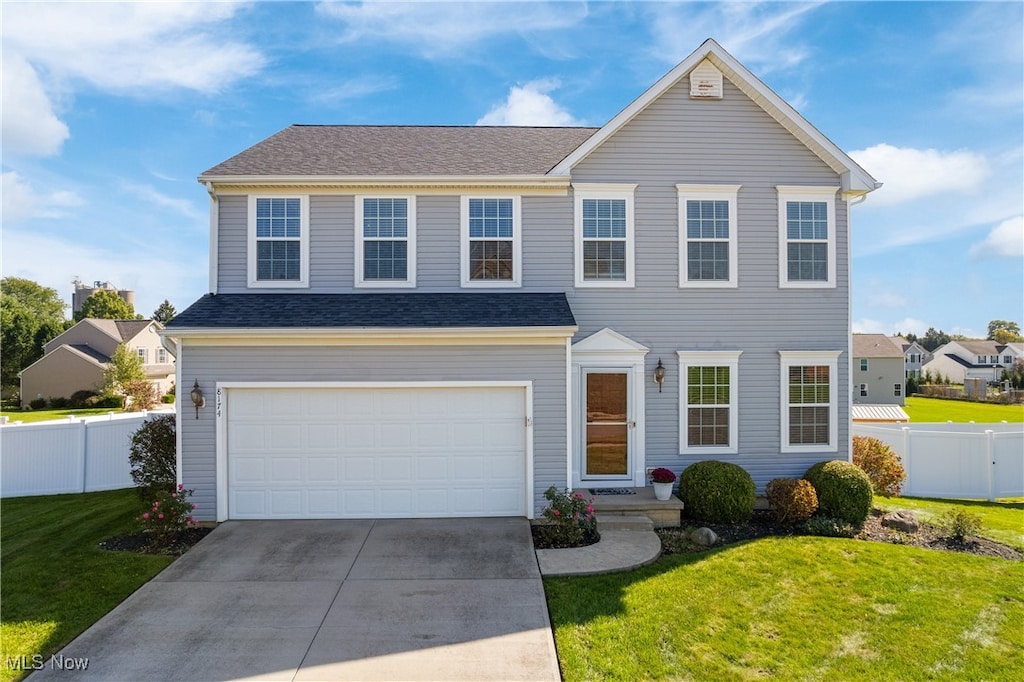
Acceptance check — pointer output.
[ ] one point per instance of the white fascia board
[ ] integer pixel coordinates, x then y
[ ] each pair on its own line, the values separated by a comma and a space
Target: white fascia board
348, 183
854, 178
381, 335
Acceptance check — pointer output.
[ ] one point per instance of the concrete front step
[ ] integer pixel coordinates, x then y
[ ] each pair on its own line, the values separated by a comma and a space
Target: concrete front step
664, 514
635, 522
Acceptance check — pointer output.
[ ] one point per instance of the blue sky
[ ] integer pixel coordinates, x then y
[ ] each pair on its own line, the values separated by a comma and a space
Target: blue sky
111, 111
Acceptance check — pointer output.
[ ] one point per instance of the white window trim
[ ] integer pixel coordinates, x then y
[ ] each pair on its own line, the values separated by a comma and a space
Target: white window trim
897, 390
863, 364
410, 280
142, 354
863, 390
730, 359
517, 244
789, 193
161, 356
303, 281
583, 191
793, 358
708, 193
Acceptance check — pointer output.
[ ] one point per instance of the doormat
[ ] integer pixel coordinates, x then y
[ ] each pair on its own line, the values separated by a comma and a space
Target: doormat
612, 491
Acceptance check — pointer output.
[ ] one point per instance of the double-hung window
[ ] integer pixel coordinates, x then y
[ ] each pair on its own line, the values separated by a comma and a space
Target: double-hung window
707, 235
604, 235
278, 241
810, 409
385, 241
143, 355
491, 242
708, 400
161, 356
807, 236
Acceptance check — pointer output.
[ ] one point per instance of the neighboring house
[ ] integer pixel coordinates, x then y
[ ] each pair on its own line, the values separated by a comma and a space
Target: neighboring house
75, 360
878, 374
973, 359
914, 357
445, 321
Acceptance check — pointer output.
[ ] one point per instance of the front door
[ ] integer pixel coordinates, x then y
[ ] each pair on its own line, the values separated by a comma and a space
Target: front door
607, 425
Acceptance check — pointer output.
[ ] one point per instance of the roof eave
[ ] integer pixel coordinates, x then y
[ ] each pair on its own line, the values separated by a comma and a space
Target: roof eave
369, 332
538, 180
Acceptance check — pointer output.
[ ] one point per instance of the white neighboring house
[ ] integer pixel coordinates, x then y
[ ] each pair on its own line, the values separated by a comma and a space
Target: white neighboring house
914, 357
75, 360
974, 359
878, 374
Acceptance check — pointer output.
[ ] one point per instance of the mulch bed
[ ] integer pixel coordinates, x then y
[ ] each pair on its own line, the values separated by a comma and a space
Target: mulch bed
144, 543
543, 538
674, 541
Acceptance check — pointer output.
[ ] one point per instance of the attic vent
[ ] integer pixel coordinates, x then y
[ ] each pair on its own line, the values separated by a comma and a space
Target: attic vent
705, 81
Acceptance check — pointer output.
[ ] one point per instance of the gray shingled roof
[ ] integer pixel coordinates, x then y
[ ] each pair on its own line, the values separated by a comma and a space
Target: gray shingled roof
129, 329
417, 310
876, 346
303, 150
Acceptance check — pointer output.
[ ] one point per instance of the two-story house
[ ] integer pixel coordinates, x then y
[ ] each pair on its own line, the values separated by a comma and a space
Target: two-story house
914, 357
974, 359
445, 321
76, 360
878, 370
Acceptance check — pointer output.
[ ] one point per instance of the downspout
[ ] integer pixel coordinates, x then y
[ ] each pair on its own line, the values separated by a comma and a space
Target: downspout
214, 216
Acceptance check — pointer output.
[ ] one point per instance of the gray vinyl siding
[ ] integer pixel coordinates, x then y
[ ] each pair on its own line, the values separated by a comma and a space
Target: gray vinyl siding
544, 365
881, 376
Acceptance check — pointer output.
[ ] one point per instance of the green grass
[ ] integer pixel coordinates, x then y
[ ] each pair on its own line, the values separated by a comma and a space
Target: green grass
795, 608
921, 409
1002, 521
30, 416
55, 580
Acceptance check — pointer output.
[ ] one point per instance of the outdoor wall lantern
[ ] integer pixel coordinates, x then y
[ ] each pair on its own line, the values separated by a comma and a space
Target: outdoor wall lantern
659, 374
197, 397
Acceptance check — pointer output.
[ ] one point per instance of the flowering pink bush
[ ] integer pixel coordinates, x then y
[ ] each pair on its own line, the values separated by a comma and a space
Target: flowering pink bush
170, 513
570, 518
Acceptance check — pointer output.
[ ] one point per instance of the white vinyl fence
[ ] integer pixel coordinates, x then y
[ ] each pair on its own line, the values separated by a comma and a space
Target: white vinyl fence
965, 461
75, 456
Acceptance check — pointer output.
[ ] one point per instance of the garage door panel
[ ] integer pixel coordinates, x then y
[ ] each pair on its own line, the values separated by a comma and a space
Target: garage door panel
329, 453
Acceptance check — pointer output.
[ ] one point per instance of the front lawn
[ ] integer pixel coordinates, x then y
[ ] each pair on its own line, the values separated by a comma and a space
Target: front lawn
795, 608
29, 416
921, 409
1002, 521
56, 581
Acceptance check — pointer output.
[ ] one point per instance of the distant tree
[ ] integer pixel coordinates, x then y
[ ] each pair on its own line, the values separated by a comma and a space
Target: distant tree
911, 385
122, 372
1015, 375
1006, 336
25, 306
165, 312
933, 338
105, 305
1012, 328
911, 338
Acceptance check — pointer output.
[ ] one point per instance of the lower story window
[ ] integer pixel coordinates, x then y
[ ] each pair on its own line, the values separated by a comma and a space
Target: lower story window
708, 401
897, 390
809, 397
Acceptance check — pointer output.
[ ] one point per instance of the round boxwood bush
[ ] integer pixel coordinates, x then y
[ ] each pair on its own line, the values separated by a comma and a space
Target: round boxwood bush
717, 492
844, 490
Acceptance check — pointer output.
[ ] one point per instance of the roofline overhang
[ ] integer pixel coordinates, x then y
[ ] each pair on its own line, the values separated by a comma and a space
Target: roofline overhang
405, 335
220, 183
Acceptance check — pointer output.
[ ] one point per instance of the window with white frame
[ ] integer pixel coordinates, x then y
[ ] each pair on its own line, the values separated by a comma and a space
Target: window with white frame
161, 356
708, 400
385, 241
863, 364
807, 236
278, 241
1007, 359
897, 390
810, 409
143, 354
491, 241
604, 235
863, 390
707, 235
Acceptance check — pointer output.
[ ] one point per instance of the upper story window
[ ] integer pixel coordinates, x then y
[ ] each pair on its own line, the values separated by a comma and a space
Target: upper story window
604, 235
807, 236
161, 356
385, 241
1007, 359
810, 410
707, 235
863, 364
143, 355
491, 242
708, 402
278, 241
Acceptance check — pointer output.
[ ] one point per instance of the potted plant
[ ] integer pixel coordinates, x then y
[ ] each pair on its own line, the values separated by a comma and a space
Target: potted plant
662, 479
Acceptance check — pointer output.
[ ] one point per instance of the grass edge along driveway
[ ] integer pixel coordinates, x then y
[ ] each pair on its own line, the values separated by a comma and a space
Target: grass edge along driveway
795, 608
55, 580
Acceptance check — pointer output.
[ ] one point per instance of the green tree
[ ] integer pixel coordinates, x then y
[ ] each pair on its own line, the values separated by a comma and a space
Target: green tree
25, 306
933, 338
123, 370
105, 305
1011, 328
165, 312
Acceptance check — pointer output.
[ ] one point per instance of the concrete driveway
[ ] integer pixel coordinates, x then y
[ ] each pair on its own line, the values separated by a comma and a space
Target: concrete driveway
432, 599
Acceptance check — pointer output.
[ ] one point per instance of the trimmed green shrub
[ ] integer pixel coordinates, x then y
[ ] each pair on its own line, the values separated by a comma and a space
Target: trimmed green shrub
844, 491
717, 492
792, 499
960, 523
80, 398
880, 463
37, 403
152, 456
828, 527
58, 403
167, 398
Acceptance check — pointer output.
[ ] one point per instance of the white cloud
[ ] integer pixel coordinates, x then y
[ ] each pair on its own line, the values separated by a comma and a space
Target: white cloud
22, 202
30, 126
1005, 239
447, 29
908, 325
151, 195
354, 88
887, 299
908, 174
529, 105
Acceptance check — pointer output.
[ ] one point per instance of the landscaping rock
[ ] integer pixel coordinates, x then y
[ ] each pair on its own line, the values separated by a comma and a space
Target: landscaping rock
901, 520
704, 537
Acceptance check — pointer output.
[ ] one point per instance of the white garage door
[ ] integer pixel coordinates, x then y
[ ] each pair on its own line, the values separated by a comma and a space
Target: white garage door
376, 452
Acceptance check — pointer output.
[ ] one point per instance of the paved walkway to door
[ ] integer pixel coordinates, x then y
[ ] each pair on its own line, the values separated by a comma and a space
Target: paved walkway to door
429, 599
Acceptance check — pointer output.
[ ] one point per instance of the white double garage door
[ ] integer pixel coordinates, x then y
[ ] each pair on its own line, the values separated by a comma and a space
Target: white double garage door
375, 452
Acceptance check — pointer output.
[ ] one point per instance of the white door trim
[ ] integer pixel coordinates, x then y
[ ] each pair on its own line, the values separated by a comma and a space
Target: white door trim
607, 349
223, 390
